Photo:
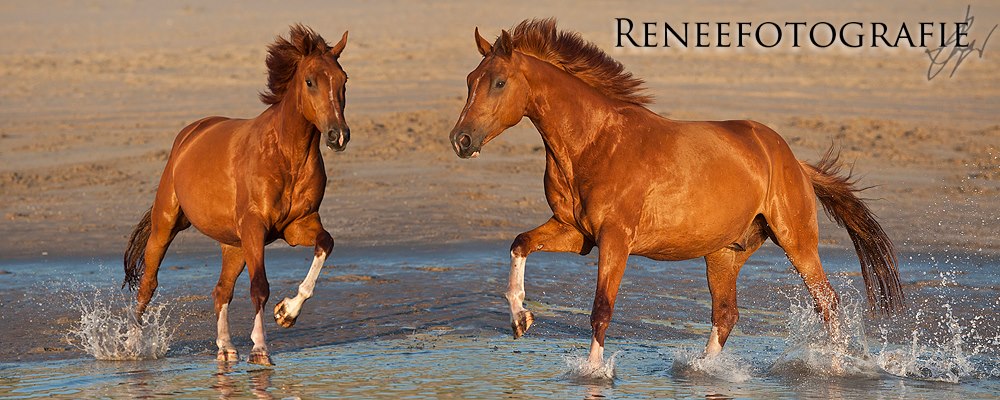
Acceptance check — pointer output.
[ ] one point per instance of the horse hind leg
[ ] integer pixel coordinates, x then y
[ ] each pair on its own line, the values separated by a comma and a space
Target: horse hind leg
232, 266
799, 237
723, 268
253, 234
166, 220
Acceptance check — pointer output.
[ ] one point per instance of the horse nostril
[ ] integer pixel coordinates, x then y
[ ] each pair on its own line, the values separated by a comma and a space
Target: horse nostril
465, 141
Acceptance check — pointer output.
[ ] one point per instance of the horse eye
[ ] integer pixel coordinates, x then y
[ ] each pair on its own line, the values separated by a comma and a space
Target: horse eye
309, 82
500, 84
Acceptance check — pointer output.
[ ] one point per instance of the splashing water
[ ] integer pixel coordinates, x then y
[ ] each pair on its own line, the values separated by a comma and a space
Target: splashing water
812, 351
724, 366
943, 362
108, 329
941, 347
580, 369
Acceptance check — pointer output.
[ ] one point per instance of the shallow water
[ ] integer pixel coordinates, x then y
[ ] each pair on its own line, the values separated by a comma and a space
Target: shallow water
431, 366
432, 323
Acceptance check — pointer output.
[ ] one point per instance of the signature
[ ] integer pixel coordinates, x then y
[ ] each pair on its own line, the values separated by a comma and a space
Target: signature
940, 57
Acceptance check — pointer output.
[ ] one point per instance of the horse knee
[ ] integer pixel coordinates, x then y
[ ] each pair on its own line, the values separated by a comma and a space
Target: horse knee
521, 246
324, 242
260, 291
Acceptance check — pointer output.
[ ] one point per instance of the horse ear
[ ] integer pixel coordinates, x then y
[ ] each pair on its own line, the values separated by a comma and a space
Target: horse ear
339, 47
505, 45
484, 46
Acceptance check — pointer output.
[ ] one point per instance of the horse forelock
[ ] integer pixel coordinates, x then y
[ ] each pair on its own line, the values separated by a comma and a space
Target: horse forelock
284, 57
569, 52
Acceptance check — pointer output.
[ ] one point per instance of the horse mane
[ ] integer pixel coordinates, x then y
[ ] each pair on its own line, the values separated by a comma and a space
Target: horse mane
283, 57
571, 53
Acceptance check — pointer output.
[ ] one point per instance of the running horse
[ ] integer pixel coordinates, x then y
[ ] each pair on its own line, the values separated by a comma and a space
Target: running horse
628, 181
248, 182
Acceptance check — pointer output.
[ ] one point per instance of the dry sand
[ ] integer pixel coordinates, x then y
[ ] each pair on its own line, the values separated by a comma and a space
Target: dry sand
92, 94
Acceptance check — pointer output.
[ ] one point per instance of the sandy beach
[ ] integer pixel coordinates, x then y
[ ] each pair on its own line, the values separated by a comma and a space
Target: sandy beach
92, 102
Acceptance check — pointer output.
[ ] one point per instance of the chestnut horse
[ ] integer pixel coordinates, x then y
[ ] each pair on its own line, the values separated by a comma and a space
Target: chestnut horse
628, 181
247, 183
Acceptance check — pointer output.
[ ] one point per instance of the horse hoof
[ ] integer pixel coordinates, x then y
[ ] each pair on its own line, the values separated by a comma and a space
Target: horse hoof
521, 323
227, 355
260, 358
281, 315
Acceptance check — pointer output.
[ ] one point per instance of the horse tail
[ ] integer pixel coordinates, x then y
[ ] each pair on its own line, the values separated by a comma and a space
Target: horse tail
874, 248
135, 253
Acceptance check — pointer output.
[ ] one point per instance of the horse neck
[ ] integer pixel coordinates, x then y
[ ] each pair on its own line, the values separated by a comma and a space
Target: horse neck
296, 137
568, 113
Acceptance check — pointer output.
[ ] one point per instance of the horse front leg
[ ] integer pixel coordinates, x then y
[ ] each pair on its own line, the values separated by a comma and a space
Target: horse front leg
552, 236
309, 231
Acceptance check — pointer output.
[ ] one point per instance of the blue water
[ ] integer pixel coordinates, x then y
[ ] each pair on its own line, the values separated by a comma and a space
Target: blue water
431, 322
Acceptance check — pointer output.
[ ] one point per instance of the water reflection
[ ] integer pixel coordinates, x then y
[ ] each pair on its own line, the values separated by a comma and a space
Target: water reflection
139, 383
224, 383
594, 392
227, 384
260, 383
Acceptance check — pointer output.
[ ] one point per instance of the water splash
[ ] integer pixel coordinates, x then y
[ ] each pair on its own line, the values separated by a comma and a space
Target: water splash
953, 334
108, 329
723, 366
942, 347
811, 349
580, 368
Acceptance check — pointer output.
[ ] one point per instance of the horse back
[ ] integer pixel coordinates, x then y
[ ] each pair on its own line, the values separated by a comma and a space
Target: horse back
195, 128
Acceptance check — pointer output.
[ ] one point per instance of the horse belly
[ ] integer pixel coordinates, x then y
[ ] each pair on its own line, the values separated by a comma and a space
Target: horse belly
673, 238
680, 224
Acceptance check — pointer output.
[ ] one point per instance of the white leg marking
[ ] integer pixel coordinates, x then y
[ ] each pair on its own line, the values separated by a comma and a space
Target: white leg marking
713, 347
596, 357
294, 305
223, 339
258, 336
515, 285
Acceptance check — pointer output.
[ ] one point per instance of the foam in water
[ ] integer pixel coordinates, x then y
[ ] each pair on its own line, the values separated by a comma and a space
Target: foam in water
581, 369
723, 366
108, 329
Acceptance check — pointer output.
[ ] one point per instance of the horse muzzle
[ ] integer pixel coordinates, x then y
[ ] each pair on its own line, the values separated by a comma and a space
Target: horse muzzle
465, 145
336, 139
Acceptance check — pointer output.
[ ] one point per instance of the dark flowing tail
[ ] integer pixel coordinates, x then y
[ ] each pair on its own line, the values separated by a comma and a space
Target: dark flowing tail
135, 260
874, 248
